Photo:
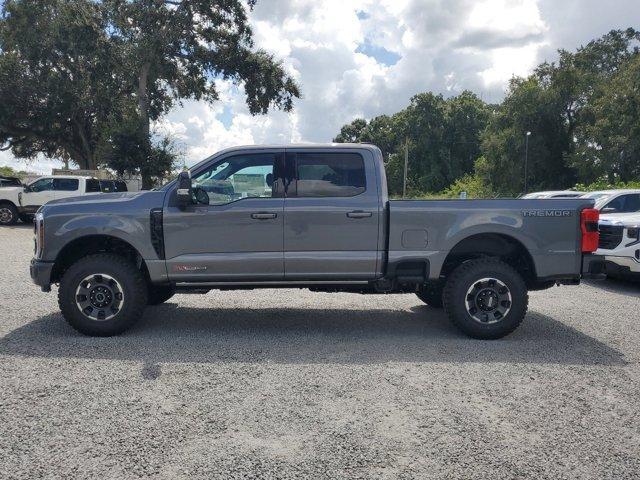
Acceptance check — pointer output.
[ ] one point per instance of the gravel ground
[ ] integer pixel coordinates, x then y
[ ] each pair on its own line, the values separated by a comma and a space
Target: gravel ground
293, 384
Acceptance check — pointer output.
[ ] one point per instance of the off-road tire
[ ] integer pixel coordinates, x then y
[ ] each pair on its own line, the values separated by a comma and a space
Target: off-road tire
158, 294
8, 214
431, 294
456, 298
129, 278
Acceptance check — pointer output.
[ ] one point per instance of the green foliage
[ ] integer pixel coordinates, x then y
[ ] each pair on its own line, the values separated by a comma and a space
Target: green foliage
442, 137
8, 171
605, 184
128, 149
582, 123
56, 86
583, 113
72, 69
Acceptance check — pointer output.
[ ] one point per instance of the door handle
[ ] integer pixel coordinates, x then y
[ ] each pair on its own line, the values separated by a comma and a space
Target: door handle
263, 215
359, 214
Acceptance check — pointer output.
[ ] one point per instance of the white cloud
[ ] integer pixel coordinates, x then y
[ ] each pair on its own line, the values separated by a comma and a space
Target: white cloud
444, 46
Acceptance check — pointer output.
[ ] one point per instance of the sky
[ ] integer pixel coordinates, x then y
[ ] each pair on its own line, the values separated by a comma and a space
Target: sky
362, 58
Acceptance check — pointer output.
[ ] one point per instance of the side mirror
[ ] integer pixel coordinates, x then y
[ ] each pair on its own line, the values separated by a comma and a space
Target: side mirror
184, 189
609, 210
26, 189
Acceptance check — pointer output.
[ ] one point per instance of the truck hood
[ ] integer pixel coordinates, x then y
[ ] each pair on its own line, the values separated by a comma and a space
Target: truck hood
632, 218
99, 198
10, 193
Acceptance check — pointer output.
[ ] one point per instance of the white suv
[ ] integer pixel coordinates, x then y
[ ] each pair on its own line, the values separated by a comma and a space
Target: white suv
620, 244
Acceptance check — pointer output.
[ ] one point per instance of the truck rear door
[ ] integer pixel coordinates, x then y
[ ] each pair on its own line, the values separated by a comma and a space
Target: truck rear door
332, 215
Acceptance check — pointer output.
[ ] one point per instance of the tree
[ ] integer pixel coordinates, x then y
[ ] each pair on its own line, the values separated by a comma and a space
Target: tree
556, 104
611, 144
56, 86
72, 69
175, 49
442, 135
528, 106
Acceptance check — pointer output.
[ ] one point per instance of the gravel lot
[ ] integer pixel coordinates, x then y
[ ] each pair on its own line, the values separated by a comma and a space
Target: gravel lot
293, 384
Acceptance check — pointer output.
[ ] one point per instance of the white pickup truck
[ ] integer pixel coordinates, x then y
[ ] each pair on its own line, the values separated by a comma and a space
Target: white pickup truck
619, 244
23, 201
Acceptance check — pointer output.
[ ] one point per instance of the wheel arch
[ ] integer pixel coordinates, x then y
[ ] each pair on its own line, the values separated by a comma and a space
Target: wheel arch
85, 245
505, 247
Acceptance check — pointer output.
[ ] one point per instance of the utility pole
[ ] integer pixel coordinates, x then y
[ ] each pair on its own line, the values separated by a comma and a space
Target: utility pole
406, 166
526, 161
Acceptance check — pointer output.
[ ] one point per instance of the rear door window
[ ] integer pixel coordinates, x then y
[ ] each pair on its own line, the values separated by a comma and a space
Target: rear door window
65, 184
330, 175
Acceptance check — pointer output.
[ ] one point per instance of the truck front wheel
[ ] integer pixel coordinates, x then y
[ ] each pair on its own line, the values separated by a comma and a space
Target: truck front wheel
8, 214
102, 295
486, 298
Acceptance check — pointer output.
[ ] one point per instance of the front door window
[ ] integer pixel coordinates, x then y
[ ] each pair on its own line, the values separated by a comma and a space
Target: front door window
235, 178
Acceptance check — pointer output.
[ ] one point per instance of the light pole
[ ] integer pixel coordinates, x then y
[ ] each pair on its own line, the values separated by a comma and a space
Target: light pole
526, 161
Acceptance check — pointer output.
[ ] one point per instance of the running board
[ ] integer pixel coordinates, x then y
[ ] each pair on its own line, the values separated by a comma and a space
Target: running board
272, 284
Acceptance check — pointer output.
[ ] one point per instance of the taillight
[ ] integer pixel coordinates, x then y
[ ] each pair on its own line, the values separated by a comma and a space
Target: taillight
589, 226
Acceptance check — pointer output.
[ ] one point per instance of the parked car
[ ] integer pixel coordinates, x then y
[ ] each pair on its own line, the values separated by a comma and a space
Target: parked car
316, 217
619, 244
615, 201
23, 201
9, 181
110, 186
553, 194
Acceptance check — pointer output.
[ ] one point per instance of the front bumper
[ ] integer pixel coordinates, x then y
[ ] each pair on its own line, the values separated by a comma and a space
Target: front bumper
621, 265
41, 274
593, 266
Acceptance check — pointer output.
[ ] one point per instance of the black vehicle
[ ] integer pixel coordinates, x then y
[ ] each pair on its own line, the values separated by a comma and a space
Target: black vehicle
10, 181
110, 186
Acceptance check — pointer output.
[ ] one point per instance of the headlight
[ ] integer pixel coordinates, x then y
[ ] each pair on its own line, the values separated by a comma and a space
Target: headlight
633, 232
38, 226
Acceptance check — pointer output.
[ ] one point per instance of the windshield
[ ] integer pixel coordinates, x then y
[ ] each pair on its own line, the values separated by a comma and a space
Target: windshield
600, 198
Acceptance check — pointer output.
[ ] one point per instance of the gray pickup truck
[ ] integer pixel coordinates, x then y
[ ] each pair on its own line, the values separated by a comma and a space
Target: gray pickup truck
315, 217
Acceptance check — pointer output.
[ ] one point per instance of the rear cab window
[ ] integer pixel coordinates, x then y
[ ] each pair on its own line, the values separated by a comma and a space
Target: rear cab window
93, 185
329, 174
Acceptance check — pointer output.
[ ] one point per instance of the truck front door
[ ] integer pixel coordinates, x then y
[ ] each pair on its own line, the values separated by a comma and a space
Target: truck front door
36, 194
234, 230
332, 215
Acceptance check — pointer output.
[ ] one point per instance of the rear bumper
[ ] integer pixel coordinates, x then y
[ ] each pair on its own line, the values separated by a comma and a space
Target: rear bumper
593, 266
41, 274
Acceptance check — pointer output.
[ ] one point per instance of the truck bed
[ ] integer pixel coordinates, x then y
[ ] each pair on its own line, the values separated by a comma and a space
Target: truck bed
548, 229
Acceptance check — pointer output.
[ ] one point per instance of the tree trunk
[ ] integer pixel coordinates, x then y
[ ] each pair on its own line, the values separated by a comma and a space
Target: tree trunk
147, 182
143, 111
143, 98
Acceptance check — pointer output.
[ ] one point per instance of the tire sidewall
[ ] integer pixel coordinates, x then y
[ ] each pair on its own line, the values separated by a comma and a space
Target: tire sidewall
14, 214
456, 294
125, 274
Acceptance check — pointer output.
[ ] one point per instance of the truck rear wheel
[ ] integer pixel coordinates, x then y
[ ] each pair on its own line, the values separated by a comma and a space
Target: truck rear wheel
431, 295
159, 294
8, 214
102, 295
486, 298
